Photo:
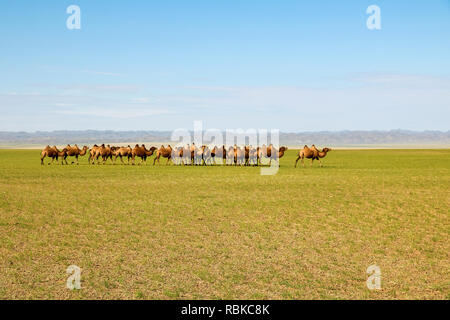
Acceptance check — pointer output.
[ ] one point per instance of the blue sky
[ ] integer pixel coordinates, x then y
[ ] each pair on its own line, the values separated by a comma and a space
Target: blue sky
160, 65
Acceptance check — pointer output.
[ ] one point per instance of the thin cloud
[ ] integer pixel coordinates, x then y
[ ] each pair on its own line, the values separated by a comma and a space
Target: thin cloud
125, 113
140, 100
102, 73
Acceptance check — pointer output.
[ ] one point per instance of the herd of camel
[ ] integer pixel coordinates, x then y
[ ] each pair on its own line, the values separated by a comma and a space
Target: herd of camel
187, 155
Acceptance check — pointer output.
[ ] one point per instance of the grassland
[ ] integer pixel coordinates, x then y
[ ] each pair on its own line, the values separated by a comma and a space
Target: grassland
145, 232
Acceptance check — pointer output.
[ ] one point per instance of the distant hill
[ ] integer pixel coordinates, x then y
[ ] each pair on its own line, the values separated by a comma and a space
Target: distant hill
333, 139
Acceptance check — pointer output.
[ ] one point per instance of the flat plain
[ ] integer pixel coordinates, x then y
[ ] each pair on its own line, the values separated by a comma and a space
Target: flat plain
220, 232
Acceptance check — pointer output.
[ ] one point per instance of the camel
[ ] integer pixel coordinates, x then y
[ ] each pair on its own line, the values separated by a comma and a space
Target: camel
322, 154
185, 155
51, 152
270, 153
252, 157
264, 152
103, 151
181, 155
93, 152
307, 153
220, 153
311, 153
193, 148
230, 156
198, 155
281, 152
239, 156
123, 152
165, 153
142, 153
177, 155
74, 152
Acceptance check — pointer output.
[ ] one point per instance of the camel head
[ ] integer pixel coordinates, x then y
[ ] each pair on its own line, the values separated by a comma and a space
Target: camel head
326, 149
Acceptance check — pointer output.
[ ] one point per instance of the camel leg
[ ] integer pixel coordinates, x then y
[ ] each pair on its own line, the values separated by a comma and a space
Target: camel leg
77, 160
298, 158
320, 162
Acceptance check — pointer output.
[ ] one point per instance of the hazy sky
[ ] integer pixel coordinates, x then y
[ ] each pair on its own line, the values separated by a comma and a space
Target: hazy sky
160, 65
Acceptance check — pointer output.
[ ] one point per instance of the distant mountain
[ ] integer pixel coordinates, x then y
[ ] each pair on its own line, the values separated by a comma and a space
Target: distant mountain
328, 138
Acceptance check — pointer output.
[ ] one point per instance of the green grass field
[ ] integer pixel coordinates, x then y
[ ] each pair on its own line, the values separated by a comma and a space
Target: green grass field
157, 232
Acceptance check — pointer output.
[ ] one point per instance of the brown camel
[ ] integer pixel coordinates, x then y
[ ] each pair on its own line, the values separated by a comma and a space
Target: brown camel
202, 155
177, 154
319, 154
311, 153
193, 149
198, 156
207, 158
252, 157
264, 152
281, 152
270, 153
239, 156
92, 153
307, 153
74, 152
165, 153
123, 152
103, 151
322, 154
142, 153
52, 152
231, 156
185, 155
219, 154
